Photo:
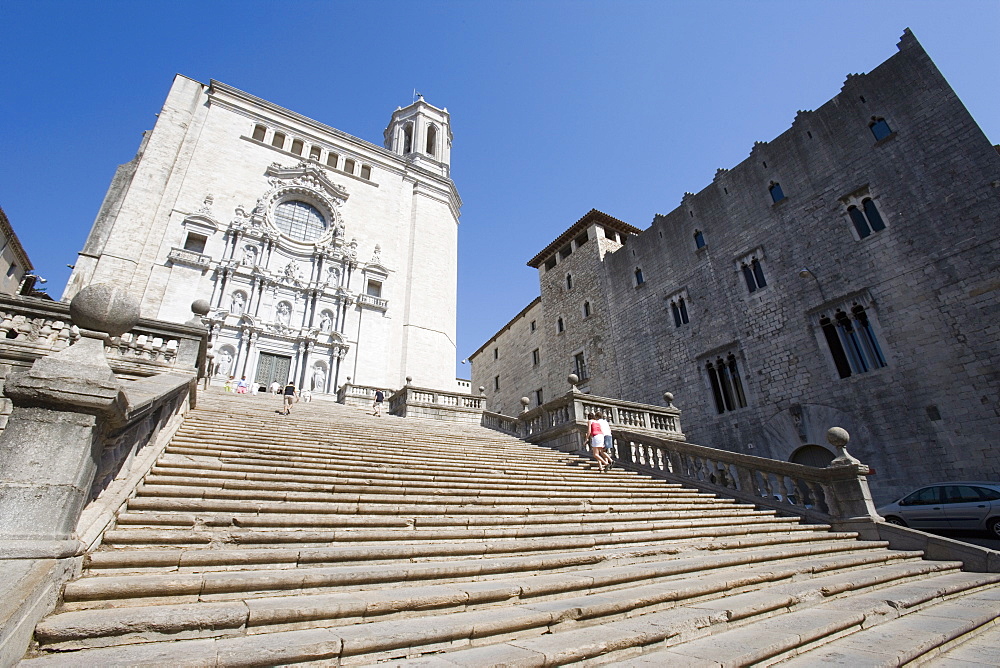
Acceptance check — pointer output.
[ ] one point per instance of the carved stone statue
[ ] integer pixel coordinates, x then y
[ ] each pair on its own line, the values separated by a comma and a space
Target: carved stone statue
250, 256
284, 313
333, 276
318, 379
206, 206
377, 256
239, 301
326, 322
224, 360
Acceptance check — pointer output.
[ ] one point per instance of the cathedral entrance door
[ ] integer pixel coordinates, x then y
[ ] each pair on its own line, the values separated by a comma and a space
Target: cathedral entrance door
272, 368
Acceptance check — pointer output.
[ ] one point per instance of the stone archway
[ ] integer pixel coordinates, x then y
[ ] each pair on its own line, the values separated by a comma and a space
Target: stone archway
812, 455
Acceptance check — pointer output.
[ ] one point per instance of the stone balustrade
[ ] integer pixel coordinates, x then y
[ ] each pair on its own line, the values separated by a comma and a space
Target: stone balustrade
351, 394
649, 439
32, 328
450, 406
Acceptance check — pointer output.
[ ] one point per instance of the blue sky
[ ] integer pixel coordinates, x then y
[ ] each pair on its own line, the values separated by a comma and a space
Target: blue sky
557, 106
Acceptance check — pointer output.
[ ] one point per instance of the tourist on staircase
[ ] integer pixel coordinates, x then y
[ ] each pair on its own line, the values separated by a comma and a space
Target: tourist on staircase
597, 441
291, 396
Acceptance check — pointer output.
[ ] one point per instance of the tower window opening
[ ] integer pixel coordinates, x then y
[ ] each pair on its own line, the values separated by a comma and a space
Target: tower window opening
297, 146
349, 166
699, 239
431, 140
314, 152
259, 132
366, 172
639, 278
331, 160
880, 129
776, 193
278, 140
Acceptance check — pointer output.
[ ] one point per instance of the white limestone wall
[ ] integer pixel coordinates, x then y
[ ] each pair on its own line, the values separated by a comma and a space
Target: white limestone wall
202, 145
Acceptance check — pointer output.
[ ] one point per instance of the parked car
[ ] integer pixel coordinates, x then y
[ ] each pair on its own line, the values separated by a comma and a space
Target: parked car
948, 505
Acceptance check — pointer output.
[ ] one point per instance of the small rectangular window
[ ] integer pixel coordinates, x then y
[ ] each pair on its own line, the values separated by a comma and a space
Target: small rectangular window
538, 398
496, 383
496, 353
278, 140
366, 172
195, 242
535, 357
550, 263
297, 146
374, 288
259, 132
581, 239
565, 251
331, 160
349, 166
533, 326
314, 153
580, 366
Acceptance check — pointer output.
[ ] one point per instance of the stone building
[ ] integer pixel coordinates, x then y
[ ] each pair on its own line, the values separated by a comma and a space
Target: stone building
324, 257
844, 274
15, 266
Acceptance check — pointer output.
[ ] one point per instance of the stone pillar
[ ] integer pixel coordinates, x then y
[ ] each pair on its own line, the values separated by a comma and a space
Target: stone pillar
51, 447
855, 507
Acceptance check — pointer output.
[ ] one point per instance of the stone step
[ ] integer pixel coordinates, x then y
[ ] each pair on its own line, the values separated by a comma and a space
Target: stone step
978, 649
688, 605
909, 637
320, 461
746, 629
623, 521
194, 559
603, 523
309, 578
373, 507
183, 472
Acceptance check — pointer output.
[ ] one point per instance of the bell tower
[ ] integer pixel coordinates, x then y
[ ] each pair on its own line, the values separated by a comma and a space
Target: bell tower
421, 133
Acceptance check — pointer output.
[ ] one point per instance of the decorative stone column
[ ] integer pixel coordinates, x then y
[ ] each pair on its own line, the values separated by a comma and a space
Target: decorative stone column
51, 447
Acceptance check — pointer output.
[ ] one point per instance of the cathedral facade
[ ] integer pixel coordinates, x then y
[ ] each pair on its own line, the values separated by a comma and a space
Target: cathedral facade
323, 257
844, 274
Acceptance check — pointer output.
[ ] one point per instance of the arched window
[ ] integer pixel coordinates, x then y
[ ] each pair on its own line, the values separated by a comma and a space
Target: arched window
678, 307
852, 341
812, 455
866, 219
299, 221
753, 274
586, 309
880, 129
776, 194
431, 140
569, 281
727, 385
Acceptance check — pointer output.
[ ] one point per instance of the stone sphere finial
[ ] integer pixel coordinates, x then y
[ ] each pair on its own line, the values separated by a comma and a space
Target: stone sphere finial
573, 379
409, 379
525, 401
200, 307
669, 398
482, 390
837, 437
103, 307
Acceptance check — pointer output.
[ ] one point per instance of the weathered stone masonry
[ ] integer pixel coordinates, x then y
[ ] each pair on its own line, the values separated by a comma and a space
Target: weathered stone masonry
919, 273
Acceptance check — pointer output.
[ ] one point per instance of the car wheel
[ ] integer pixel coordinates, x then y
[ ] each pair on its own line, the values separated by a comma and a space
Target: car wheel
993, 525
892, 519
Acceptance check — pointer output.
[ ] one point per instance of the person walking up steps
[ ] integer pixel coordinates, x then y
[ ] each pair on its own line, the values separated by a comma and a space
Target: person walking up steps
608, 441
597, 441
377, 406
290, 397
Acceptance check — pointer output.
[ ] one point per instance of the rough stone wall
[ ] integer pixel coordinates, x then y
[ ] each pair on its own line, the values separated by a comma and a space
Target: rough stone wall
508, 356
929, 282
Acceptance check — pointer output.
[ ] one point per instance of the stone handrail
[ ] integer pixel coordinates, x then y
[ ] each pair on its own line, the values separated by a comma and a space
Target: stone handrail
813, 493
358, 395
31, 328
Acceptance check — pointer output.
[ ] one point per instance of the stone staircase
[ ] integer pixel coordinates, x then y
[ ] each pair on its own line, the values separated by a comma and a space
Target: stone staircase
335, 537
